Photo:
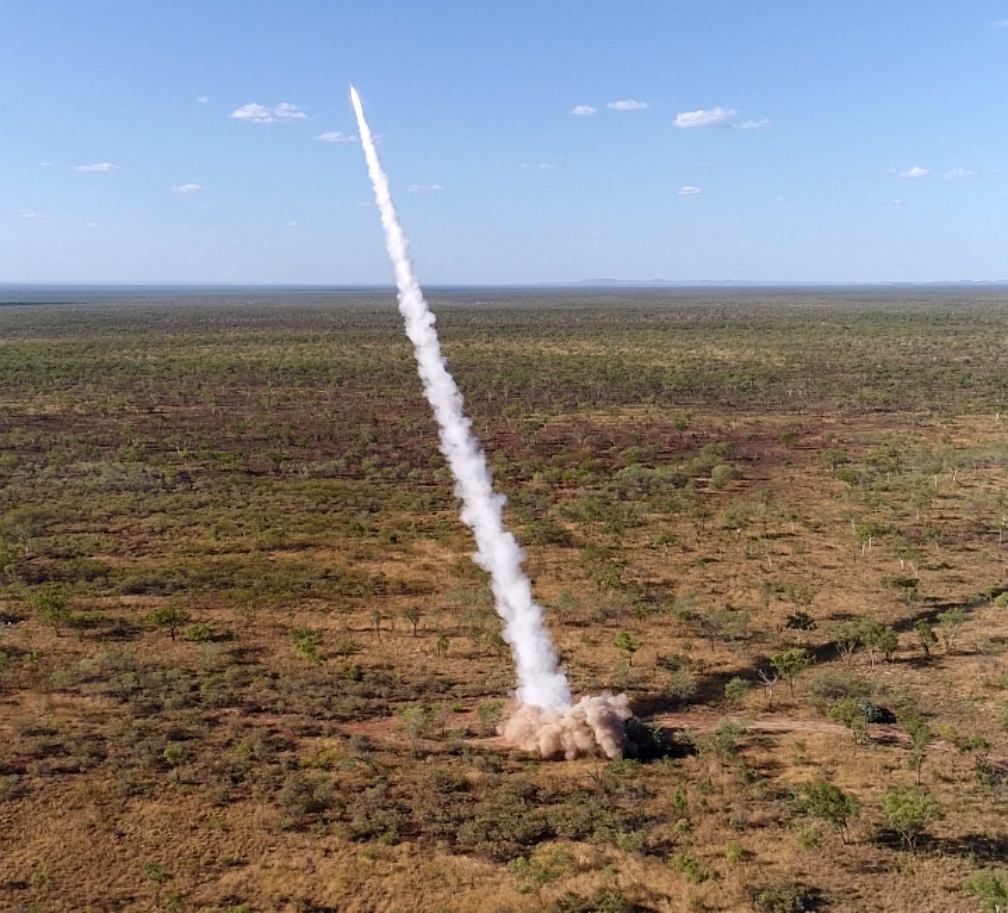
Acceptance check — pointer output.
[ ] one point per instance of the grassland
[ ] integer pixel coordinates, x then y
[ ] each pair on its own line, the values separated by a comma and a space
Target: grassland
247, 664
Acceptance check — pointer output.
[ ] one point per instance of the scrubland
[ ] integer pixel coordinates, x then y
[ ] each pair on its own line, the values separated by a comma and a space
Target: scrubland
246, 663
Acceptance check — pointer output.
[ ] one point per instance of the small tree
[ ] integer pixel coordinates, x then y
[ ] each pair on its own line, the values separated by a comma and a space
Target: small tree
847, 639
908, 811
915, 726
951, 620
51, 607
170, 617
821, 799
877, 638
413, 616
791, 664
888, 642
769, 680
414, 721
851, 713
926, 636
629, 644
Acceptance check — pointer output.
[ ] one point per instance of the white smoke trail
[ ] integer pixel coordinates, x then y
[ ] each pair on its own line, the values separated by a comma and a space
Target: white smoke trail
540, 682
546, 721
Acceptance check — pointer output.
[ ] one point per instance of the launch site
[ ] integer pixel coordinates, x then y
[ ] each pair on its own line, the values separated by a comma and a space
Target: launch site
377, 534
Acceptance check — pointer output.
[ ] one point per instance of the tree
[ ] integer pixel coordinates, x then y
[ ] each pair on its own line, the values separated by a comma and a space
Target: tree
951, 621
888, 642
791, 664
915, 726
877, 638
908, 811
170, 617
769, 680
847, 639
413, 616
821, 799
51, 607
926, 636
629, 644
851, 713
414, 721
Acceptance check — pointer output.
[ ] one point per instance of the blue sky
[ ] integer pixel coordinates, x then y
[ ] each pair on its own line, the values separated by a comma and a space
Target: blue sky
849, 141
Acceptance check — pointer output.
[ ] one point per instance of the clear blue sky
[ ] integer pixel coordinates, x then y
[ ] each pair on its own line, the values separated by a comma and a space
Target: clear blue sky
798, 140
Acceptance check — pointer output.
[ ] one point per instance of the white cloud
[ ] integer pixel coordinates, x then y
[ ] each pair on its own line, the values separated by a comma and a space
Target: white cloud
33, 215
334, 136
1000, 24
913, 173
424, 188
99, 166
627, 104
704, 118
288, 111
583, 110
754, 124
187, 188
260, 114
541, 166
45, 164
958, 174
688, 191
203, 99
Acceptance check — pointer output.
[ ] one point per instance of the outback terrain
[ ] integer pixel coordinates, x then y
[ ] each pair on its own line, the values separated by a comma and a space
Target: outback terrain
246, 663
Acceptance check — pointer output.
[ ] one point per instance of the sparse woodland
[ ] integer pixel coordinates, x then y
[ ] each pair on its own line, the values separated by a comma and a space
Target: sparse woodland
247, 665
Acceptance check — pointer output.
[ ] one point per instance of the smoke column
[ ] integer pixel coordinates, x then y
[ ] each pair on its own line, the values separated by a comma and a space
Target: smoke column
542, 690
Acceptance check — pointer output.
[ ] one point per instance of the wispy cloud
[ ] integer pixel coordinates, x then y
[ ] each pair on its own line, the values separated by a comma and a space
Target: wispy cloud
34, 215
914, 173
1000, 24
706, 117
187, 188
688, 191
424, 188
754, 124
540, 166
334, 136
203, 99
98, 166
958, 174
260, 114
627, 104
583, 110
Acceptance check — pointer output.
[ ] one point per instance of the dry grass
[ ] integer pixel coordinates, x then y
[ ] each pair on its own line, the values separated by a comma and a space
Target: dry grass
243, 466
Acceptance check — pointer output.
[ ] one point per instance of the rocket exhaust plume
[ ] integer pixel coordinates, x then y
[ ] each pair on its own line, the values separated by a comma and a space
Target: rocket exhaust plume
546, 720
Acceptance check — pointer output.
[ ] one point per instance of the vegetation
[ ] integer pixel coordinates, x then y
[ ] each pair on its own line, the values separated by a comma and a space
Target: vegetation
246, 662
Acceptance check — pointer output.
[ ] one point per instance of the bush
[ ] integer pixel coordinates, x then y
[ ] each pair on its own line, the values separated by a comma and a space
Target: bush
990, 888
908, 812
821, 799
784, 897
736, 690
